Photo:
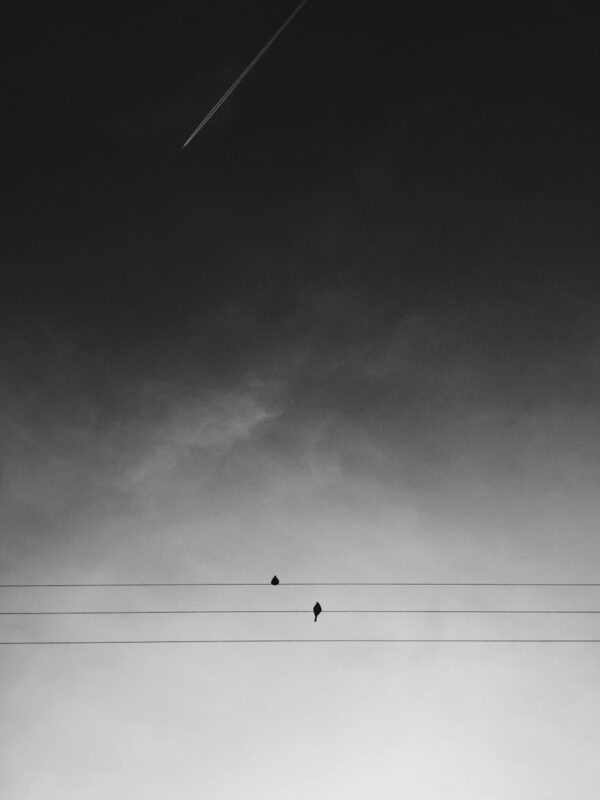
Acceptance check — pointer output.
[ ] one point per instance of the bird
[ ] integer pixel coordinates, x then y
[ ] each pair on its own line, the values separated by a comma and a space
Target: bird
274, 580
317, 610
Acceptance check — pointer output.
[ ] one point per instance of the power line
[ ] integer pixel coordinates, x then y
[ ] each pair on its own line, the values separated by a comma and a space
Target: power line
303, 583
298, 641
439, 583
114, 585
300, 611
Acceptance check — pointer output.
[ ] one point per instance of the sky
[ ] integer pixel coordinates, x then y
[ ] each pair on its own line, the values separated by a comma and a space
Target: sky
350, 333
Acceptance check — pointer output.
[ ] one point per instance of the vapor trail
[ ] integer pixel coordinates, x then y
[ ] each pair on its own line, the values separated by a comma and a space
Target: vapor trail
241, 77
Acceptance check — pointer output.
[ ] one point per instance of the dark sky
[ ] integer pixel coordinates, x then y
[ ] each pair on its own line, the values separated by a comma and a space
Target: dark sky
431, 160
392, 222
376, 170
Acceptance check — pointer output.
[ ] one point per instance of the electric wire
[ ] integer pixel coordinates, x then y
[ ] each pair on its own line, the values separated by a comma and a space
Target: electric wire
524, 611
263, 584
73, 642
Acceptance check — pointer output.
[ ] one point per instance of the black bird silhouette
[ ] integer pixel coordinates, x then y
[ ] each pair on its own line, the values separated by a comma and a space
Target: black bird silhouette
317, 610
274, 580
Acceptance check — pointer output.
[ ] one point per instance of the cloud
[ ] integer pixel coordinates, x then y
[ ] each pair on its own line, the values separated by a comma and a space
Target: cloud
194, 430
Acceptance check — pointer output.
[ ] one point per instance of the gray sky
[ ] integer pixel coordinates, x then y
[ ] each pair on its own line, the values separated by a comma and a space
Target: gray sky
350, 334
282, 471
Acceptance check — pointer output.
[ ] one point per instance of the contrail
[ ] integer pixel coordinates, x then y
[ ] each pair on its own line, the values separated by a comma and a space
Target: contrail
238, 80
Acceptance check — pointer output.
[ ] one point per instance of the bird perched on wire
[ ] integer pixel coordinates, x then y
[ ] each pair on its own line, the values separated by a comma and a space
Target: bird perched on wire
317, 610
274, 580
